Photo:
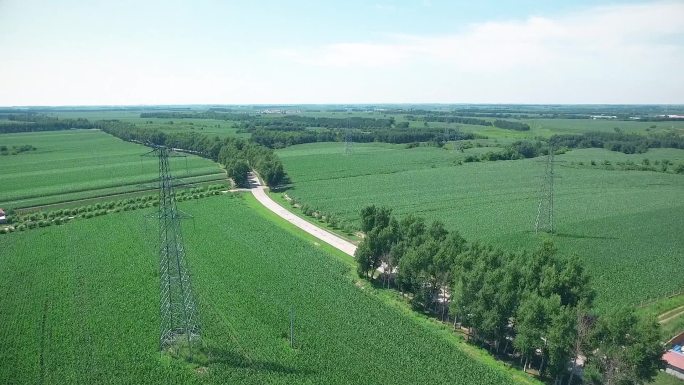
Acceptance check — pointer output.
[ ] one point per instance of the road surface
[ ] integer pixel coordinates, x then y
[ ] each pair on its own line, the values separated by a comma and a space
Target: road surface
260, 194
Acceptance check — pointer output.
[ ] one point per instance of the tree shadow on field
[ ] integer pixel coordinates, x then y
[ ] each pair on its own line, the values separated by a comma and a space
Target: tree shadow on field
582, 236
574, 236
282, 188
237, 360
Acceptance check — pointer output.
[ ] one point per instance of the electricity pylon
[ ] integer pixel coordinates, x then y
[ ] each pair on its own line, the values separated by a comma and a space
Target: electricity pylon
348, 142
545, 209
179, 318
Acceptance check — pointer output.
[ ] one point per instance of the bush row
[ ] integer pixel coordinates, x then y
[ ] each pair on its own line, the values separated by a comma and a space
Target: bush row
61, 216
328, 218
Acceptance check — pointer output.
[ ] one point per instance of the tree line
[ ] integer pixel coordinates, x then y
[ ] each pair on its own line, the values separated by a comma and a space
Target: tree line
237, 155
511, 125
276, 138
210, 114
521, 149
15, 150
500, 123
303, 122
618, 141
536, 307
253, 121
38, 122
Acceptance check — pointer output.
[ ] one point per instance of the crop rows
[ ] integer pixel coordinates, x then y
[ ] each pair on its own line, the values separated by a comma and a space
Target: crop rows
80, 305
76, 162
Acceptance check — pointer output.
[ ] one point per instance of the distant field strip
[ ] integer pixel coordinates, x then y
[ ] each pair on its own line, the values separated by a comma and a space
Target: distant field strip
78, 164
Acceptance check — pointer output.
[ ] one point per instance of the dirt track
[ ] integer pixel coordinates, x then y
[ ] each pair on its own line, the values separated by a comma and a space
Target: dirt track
260, 194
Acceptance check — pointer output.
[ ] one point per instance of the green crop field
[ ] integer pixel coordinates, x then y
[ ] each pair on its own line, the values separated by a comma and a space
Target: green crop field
80, 306
213, 127
626, 225
77, 164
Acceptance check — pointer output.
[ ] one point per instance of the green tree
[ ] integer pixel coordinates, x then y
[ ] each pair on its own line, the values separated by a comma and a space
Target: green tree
531, 320
238, 171
627, 349
561, 335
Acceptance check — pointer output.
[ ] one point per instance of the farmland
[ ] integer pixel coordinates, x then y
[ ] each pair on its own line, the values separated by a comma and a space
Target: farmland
78, 164
619, 212
617, 221
96, 319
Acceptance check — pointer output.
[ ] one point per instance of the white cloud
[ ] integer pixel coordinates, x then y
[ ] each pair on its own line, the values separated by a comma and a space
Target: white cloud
609, 54
639, 44
601, 32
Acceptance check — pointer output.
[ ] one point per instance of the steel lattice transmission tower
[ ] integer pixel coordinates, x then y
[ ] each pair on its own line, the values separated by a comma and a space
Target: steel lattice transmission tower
179, 318
348, 141
544, 220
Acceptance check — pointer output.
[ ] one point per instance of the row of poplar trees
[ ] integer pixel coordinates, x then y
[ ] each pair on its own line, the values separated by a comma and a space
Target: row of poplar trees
533, 306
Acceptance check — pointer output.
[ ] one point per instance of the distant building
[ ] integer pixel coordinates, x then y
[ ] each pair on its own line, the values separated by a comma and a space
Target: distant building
3, 217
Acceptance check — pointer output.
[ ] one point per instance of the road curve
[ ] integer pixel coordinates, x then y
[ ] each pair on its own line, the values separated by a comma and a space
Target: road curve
260, 194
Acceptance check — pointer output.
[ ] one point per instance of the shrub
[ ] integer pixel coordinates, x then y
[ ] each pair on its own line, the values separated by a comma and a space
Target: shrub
679, 169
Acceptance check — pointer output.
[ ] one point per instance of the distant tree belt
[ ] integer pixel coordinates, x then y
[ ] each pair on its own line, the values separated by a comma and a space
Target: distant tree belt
457, 119
511, 125
260, 120
507, 124
33, 122
276, 138
614, 141
237, 155
413, 115
198, 115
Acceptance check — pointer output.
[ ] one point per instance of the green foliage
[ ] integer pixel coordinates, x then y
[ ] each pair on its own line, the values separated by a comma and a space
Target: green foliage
15, 150
536, 300
627, 349
511, 125
58, 217
238, 171
618, 141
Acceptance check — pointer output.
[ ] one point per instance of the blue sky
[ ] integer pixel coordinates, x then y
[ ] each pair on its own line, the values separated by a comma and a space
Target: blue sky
227, 52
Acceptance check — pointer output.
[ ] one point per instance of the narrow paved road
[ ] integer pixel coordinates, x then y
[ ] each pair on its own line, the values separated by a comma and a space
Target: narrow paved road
260, 194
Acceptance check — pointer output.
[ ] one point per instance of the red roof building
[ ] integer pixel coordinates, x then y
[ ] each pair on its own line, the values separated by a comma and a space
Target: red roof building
675, 363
